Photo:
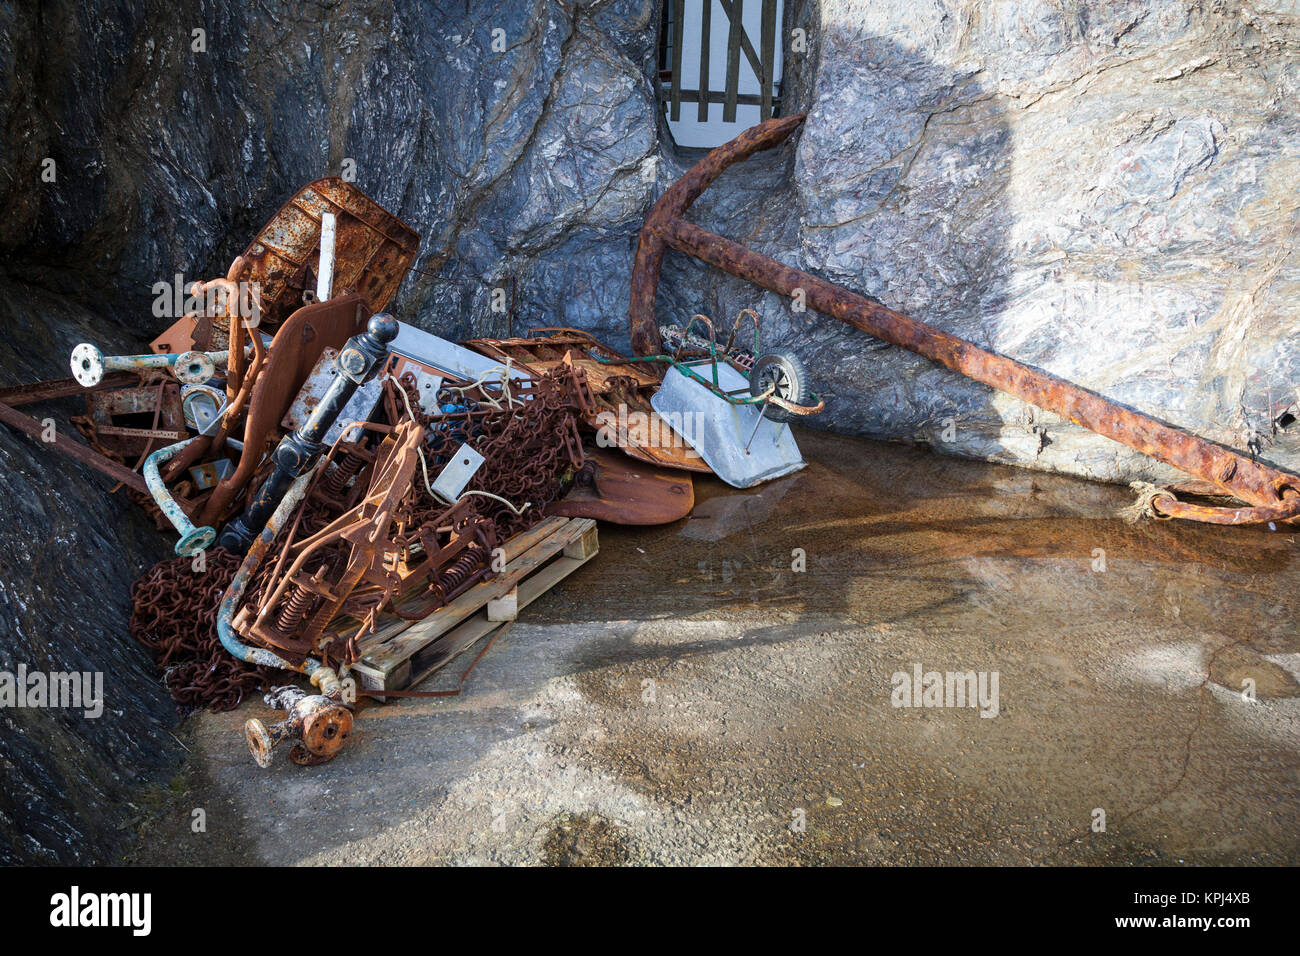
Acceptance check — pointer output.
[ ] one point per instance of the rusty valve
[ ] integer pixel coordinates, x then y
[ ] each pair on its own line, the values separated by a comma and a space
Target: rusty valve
318, 724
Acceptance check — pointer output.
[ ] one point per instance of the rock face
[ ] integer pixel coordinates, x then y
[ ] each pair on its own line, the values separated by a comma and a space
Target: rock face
68, 553
1101, 188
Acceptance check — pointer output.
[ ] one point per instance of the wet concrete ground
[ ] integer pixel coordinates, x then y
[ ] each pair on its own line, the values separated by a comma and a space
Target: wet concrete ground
690, 697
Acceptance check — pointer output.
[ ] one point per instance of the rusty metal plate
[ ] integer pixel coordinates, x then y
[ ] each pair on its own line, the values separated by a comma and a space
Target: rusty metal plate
622, 491
179, 337
359, 408
373, 249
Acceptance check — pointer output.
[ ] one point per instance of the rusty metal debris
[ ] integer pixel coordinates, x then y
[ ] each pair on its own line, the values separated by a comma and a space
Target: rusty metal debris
1269, 494
612, 487
317, 724
174, 608
622, 391
350, 481
364, 469
373, 250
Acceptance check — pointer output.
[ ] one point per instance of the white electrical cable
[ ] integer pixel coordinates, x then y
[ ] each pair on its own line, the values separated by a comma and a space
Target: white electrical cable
424, 465
501, 374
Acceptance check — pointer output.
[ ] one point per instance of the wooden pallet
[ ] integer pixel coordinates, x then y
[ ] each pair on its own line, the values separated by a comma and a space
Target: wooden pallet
401, 654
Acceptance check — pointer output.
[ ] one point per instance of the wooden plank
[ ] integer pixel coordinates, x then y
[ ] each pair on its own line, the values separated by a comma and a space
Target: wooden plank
768, 44
716, 96
506, 607
706, 16
735, 34
383, 656
679, 15
746, 47
456, 641
342, 627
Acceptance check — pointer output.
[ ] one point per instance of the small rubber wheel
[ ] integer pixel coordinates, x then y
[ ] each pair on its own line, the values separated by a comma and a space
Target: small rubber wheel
784, 371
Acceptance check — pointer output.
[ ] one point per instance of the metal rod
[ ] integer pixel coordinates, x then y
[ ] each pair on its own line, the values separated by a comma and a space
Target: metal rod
87, 456
235, 592
89, 364
193, 539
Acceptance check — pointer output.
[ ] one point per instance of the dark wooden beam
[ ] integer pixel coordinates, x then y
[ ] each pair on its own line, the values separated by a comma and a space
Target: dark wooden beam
706, 16
679, 14
768, 44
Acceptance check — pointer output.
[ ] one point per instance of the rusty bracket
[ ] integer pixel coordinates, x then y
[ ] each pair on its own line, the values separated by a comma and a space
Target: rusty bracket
1274, 495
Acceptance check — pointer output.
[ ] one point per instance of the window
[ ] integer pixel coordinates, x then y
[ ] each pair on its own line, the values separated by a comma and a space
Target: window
719, 67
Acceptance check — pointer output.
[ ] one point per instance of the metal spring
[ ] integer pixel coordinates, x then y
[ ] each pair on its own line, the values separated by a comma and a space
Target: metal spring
458, 572
294, 610
342, 473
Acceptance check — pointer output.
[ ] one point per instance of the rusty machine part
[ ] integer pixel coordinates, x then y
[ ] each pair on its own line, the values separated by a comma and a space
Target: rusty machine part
317, 724
270, 391
373, 251
371, 535
1271, 495
134, 421
621, 390
311, 579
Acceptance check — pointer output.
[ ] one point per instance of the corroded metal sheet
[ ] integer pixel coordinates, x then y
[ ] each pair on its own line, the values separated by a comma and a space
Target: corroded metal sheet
615, 488
373, 250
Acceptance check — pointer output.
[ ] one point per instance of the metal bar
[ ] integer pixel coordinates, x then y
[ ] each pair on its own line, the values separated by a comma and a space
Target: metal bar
1249, 480
674, 202
706, 17
734, 36
1258, 484
193, 539
679, 15
16, 396
325, 272
767, 42
87, 456
260, 656
298, 451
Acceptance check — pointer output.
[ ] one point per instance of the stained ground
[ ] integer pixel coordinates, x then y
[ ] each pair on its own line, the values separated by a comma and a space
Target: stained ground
719, 691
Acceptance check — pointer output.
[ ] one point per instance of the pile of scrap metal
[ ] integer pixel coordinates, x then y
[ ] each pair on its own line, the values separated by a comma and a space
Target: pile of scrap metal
358, 466
324, 464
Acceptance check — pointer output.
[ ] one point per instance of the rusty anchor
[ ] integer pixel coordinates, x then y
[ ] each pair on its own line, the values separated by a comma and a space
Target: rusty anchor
1268, 493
